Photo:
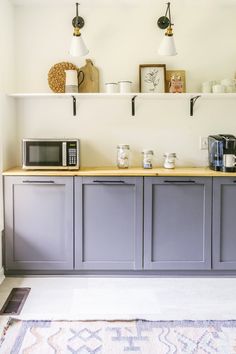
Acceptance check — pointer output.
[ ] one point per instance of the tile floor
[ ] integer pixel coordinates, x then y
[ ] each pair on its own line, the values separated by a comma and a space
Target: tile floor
124, 298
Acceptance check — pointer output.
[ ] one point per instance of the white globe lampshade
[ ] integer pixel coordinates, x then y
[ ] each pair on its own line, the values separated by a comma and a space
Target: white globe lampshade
77, 47
167, 46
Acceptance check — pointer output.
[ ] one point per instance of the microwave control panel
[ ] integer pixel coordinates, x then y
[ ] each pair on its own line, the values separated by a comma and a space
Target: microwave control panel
72, 153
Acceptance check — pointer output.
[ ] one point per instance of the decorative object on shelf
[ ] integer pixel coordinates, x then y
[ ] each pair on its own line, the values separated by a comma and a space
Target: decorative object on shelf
169, 161
57, 76
147, 158
222, 86
77, 47
218, 88
71, 85
74, 79
207, 86
91, 78
175, 81
111, 87
121, 87
167, 46
152, 78
123, 156
125, 86
229, 85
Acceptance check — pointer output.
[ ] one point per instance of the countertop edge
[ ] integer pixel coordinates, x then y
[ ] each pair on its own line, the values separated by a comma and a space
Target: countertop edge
115, 172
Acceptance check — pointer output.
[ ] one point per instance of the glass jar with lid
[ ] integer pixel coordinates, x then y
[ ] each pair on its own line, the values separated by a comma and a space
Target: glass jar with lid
169, 161
123, 156
147, 158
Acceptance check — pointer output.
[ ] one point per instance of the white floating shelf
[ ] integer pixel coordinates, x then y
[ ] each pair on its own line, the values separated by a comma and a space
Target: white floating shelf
191, 97
125, 95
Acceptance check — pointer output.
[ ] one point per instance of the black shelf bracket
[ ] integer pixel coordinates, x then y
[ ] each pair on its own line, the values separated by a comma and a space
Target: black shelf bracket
192, 103
74, 106
133, 105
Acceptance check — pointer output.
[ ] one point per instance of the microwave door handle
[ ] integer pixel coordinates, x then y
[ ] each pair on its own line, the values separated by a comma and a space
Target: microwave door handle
64, 153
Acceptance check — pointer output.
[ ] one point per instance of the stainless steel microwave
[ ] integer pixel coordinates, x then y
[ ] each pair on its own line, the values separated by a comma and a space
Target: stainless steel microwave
50, 154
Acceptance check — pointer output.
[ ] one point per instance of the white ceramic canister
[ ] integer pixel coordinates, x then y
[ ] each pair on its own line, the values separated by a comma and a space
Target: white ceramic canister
71, 83
125, 86
111, 87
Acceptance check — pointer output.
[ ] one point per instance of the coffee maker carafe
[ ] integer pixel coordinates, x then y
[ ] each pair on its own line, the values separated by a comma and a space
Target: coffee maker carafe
222, 150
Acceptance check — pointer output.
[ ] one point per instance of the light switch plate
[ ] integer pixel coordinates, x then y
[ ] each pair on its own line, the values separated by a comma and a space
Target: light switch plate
203, 144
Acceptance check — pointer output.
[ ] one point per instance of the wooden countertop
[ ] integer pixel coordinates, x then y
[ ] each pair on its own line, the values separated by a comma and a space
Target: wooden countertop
113, 171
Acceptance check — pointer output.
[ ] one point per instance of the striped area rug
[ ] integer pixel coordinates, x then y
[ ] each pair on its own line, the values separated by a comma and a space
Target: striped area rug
117, 337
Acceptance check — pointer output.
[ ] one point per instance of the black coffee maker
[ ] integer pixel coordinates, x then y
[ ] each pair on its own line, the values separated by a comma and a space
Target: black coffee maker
222, 150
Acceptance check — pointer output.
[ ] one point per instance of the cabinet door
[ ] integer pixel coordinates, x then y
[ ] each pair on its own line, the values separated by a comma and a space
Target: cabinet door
177, 223
39, 223
108, 222
224, 219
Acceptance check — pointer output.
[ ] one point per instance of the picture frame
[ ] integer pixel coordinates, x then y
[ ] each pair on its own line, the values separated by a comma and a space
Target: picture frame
152, 78
175, 81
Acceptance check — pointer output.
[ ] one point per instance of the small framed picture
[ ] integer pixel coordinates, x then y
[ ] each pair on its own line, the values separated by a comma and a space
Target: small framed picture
175, 81
152, 78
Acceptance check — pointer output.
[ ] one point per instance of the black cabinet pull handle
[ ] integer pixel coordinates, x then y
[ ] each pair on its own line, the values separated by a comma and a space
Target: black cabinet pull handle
109, 182
186, 182
39, 182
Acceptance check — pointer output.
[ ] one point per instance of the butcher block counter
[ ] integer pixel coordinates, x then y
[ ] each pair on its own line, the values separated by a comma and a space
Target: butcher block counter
114, 171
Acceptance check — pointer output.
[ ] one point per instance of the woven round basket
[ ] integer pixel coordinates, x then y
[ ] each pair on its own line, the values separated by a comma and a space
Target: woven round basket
57, 76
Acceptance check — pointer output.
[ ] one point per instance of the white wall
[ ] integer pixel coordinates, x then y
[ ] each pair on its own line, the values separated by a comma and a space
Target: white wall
101, 124
7, 84
121, 35
7, 113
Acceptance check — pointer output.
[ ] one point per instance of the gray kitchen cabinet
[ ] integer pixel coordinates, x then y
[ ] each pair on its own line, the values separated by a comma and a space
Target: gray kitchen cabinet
38, 223
177, 223
224, 221
108, 223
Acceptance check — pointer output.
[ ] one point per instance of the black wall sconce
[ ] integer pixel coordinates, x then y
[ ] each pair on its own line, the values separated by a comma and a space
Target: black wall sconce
167, 46
77, 47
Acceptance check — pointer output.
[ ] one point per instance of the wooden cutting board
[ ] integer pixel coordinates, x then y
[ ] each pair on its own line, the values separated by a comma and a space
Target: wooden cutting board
91, 78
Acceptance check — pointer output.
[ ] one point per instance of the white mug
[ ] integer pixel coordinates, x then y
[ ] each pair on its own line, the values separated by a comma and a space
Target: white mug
218, 88
228, 82
229, 160
229, 85
230, 88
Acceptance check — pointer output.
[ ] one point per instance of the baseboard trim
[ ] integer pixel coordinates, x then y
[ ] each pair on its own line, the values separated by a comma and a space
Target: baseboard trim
2, 276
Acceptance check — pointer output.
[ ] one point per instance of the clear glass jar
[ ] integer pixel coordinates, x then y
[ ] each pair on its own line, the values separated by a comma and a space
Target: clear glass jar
169, 161
147, 158
122, 156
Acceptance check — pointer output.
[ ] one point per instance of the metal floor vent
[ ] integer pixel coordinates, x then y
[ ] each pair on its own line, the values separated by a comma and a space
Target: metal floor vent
15, 301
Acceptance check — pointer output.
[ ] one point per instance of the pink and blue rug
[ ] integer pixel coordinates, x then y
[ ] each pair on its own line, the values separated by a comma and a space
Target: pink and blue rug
117, 337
